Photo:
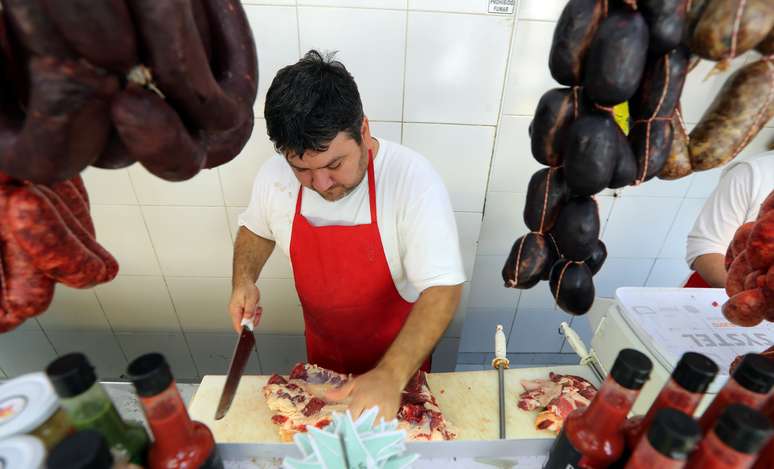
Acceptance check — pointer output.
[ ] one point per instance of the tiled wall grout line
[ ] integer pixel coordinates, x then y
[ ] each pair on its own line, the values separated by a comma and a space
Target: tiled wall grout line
166, 285
110, 326
405, 73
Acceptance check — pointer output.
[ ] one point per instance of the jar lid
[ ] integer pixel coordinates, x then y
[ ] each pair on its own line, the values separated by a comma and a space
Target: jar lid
86, 449
631, 369
26, 403
71, 375
22, 452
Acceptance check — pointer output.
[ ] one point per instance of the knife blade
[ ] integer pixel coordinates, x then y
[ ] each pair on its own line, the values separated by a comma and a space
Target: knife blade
244, 347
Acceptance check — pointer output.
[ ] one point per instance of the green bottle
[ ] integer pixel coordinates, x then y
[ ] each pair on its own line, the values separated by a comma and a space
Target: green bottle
89, 407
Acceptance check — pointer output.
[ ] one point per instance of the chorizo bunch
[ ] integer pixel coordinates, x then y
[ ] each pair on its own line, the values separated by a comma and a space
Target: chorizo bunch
605, 53
169, 84
750, 264
47, 237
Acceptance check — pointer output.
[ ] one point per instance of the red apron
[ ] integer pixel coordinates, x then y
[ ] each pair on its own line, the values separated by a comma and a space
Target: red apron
352, 310
696, 281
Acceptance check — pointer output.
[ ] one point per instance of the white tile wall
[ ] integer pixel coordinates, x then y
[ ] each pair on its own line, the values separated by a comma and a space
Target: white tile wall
513, 164
180, 235
121, 229
638, 226
101, 348
460, 153
25, 351
441, 76
458, 6
371, 44
138, 303
455, 67
546, 10
74, 309
172, 345
275, 30
212, 353
528, 75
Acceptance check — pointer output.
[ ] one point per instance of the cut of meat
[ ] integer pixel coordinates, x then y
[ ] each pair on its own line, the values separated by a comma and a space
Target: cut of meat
299, 401
555, 397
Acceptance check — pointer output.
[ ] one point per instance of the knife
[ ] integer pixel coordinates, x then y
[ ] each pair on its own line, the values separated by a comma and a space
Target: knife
501, 363
244, 347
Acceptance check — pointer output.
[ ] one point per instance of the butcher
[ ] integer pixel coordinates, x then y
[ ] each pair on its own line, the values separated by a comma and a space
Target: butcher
369, 230
744, 185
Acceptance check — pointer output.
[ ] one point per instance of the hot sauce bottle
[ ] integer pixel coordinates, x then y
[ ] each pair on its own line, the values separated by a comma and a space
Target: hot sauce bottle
684, 390
179, 442
739, 433
591, 438
671, 437
749, 385
766, 456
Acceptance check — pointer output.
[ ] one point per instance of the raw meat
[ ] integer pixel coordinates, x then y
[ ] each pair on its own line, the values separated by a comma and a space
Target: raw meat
299, 401
556, 397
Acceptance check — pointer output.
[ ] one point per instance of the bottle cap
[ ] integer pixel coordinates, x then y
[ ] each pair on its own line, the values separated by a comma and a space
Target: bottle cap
150, 374
86, 449
674, 434
26, 403
694, 372
631, 369
743, 429
71, 375
755, 373
22, 452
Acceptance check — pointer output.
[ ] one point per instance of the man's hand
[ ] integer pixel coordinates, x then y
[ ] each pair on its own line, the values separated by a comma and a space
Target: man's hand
244, 304
377, 387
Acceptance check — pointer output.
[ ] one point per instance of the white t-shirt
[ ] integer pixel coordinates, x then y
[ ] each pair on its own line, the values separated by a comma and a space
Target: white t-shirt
744, 185
414, 214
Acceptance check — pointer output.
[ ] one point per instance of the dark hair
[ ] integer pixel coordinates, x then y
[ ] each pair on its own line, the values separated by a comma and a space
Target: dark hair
310, 102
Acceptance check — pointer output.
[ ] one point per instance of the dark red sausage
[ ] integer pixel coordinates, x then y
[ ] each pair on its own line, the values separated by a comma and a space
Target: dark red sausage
99, 31
43, 234
223, 147
527, 262
747, 308
67, 123
115, 155
32, 25
72, 197
737, 274
741, 236
78, 183
760, 246
82, 233
203, 27
572, 36
155, 135
26, 291
767, 205
180, 67
236, 64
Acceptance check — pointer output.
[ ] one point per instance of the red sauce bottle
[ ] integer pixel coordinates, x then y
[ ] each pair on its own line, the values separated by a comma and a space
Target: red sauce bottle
749, 385
591, 438
690, 379
179, 442
740, 432
766, 456
671, 437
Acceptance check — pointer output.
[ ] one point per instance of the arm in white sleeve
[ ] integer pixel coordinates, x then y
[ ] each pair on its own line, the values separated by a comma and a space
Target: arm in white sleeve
723, 213
256, 217
430, 242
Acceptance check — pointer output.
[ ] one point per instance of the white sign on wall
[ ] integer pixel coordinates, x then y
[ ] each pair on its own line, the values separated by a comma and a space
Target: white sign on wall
503, 7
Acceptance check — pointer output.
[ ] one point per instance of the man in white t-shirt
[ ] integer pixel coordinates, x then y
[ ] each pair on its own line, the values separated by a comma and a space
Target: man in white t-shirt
744, 185
369, 229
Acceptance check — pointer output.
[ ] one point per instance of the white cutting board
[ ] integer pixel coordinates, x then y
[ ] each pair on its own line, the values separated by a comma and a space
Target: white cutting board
468, 400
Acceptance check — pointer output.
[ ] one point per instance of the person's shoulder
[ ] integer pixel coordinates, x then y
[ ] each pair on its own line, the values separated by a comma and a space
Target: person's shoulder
756, 164
408, 165
274, 169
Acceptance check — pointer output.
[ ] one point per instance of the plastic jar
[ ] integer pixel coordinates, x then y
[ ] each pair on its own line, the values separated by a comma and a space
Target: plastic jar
22, 452
29, 405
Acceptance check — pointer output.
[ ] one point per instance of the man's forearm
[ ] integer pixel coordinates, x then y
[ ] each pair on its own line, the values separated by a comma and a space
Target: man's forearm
427, 321
250, 255
712, 268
